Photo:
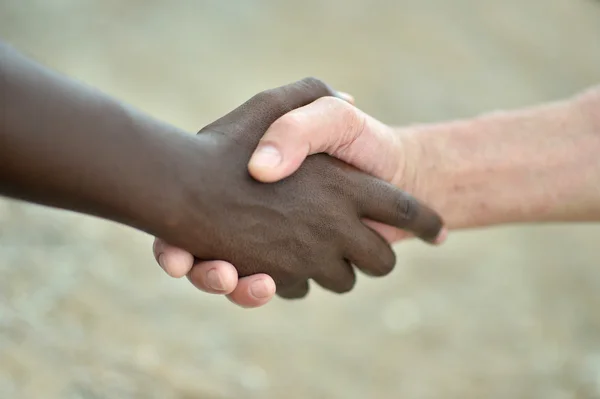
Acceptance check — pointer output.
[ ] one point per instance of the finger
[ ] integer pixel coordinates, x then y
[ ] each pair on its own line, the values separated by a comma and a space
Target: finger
327, 125
369, 251
382, 202
258, 113
176, 262
346, 97
295, 291
214, 277
390, 233
339, 277
253, 291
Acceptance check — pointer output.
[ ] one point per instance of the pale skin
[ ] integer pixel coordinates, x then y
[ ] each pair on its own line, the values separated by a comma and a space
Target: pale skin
533, 165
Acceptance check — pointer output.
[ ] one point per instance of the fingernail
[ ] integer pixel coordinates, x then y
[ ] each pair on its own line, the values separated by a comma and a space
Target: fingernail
266, 156
259, 289
346, 97
161, 261
441, 236
214, 281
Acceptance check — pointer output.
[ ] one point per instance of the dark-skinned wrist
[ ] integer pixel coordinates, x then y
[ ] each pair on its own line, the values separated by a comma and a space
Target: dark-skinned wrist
162, 202
186, 188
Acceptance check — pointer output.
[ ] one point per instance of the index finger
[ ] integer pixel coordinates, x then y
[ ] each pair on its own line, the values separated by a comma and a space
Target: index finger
385, 203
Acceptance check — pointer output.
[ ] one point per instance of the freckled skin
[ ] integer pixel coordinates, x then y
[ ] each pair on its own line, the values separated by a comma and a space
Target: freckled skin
65, 145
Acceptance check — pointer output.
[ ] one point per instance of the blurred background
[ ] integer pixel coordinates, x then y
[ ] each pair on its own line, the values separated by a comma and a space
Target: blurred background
503, 313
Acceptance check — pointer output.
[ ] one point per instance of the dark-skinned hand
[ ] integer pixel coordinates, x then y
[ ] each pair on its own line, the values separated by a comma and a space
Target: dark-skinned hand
68, 146
307, 226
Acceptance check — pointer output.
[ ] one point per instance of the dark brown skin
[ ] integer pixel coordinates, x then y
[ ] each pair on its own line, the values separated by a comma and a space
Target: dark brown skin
67, 146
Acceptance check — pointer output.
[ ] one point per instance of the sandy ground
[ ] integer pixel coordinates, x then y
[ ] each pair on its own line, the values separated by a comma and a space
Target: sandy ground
502, 313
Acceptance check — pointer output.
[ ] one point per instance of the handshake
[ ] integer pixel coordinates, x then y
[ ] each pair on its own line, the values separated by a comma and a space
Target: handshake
284, 223
296, 184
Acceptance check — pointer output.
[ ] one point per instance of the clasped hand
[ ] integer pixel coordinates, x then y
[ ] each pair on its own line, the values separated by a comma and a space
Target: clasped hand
306, 226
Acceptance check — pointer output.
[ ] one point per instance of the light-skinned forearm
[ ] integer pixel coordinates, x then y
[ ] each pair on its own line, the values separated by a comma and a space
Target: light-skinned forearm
540, 164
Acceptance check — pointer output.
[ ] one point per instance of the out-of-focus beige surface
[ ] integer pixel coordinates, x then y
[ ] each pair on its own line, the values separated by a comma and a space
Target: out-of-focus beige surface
503, 313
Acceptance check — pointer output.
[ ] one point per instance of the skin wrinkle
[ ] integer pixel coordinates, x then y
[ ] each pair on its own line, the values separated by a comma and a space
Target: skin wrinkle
353, 132
408, 152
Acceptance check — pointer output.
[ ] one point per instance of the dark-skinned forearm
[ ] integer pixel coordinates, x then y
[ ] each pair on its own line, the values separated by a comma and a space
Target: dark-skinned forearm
65, 145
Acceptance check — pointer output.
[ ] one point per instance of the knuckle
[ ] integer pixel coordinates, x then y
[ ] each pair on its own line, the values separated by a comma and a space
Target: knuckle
290, 122
315, 87
407, 208
271, 98
335, 104
314, 83
356, 121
